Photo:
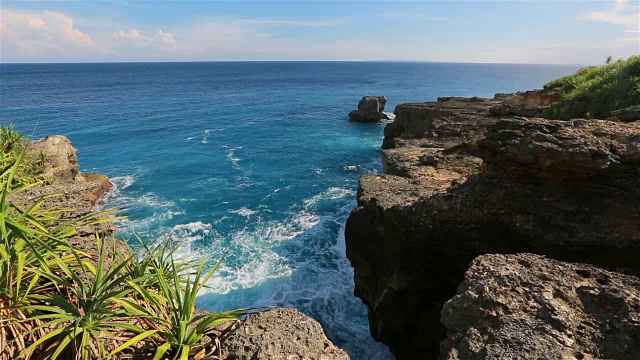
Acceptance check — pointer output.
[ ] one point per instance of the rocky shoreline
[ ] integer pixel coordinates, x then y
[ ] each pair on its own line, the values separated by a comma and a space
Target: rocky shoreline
470, 178
278, 333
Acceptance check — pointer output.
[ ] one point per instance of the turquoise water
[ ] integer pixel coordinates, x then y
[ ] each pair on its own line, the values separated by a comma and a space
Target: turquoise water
255, 160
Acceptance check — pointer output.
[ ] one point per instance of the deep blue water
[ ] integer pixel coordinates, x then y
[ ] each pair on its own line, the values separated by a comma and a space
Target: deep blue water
257, 160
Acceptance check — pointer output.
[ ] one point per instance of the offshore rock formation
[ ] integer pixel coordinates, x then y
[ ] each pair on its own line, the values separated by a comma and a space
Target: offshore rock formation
526, 306
460, 183
277, 334
370, 110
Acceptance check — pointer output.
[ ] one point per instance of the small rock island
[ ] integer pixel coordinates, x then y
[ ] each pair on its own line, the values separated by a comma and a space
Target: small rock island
370, 110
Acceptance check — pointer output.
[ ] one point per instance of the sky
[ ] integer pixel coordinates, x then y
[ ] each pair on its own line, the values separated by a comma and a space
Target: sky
551, 32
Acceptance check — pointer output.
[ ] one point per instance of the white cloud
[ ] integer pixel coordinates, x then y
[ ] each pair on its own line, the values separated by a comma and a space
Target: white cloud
623, 12
135, 39
282, 22
413, 16
167, 38
30, 34
53, 36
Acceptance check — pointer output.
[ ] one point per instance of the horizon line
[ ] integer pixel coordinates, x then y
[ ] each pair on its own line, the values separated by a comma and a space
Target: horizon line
280, 61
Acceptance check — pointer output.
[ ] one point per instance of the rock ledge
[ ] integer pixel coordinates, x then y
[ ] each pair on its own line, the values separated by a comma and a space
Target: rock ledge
526, 306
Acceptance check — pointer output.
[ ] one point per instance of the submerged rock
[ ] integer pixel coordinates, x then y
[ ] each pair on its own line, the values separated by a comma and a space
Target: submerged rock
461, 183
280, 334
370, 109
527, 306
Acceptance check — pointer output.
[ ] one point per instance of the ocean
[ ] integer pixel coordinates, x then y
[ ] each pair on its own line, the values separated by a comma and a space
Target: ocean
253, 160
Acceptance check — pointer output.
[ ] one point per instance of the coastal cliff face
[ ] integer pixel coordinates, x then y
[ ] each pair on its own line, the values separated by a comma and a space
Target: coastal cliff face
461, 182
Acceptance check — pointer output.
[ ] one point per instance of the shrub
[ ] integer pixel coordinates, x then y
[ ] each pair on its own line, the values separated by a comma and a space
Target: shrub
58, 302
12, 144
595, 91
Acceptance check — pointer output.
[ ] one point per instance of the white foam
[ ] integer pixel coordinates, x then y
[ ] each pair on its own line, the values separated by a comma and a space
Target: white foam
351, 167
123, 182
205, 135
243, 211
121, 199
330, 194
272, 194
255, 259
187, 233
188, 238
231, 154
260, 268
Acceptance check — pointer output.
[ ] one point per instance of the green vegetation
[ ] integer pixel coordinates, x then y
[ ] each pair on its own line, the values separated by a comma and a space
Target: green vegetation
58, 302
595, 91
13, 144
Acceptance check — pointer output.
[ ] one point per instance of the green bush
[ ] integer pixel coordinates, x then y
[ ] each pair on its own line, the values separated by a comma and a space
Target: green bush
595, 91
13, 144
58, 302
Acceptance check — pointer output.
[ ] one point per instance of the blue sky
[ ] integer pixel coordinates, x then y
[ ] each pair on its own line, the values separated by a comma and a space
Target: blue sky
575, 32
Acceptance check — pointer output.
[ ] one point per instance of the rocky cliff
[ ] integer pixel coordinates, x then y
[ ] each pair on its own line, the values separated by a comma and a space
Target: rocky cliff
462, 180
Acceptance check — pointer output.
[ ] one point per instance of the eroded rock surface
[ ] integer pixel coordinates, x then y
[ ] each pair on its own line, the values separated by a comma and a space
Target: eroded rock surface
460, 183
628, 114
280, 334
61, 160
527, 306
527, 103
370, 110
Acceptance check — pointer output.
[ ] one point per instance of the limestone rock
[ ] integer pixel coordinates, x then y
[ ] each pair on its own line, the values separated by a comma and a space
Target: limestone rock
62, 162
628, 114
527, 306
445, 123
557, 151
528, 103
370, 109
280, 334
